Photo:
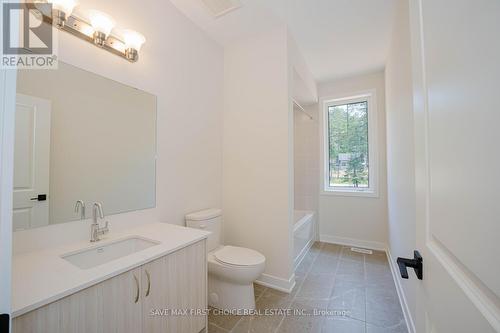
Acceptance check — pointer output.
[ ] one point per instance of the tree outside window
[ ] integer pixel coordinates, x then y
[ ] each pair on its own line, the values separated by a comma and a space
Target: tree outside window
348, 145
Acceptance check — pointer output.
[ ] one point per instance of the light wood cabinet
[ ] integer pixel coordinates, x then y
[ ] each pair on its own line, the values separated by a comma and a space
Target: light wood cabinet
121, 308
131, 302
175, 284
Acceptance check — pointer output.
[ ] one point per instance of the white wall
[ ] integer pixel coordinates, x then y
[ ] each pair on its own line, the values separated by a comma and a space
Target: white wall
304, 87
184, 68
400, 147
362, 220
257, 149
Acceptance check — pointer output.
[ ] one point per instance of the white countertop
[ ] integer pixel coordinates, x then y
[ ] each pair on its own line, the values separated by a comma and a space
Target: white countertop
42, 277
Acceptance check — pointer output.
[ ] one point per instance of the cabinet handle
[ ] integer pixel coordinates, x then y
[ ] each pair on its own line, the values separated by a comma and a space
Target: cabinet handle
149, 283
137, 286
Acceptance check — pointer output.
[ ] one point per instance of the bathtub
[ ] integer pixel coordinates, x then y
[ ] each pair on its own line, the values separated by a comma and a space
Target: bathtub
303, 234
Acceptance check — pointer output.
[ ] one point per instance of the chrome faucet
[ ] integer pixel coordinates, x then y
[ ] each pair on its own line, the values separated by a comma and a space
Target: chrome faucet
80, 207
95, 229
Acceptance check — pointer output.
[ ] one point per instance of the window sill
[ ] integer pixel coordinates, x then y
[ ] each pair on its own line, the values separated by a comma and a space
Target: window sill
351, 193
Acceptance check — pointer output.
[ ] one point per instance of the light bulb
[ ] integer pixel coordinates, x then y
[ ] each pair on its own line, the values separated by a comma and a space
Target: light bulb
101, 22
65, 6
61, 10
133, 40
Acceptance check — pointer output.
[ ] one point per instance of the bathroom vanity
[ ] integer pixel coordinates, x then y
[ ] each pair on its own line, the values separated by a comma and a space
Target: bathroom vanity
160, 288
87, 255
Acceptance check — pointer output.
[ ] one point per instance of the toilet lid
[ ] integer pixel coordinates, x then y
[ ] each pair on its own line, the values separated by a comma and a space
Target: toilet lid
239, 256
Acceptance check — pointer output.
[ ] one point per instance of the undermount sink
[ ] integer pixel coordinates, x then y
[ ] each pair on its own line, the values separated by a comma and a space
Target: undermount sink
103, 253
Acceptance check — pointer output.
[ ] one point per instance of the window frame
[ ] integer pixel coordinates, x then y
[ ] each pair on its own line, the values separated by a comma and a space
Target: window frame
371, 191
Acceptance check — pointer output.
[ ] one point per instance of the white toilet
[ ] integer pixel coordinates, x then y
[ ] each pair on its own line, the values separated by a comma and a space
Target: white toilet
231, 270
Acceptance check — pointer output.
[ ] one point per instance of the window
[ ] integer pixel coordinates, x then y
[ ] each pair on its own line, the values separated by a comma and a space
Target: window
350, 159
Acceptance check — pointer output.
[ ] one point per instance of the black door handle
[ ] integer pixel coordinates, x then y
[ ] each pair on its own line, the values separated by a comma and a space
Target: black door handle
416, 263
40, 197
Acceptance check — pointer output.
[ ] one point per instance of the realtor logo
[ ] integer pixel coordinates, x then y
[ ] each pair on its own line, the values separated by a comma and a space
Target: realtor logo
27, 41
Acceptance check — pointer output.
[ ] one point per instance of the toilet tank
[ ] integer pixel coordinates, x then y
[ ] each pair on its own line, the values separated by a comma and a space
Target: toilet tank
208, 220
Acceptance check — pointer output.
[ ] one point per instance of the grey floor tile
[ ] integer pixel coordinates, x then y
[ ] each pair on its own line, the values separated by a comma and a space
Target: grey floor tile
343, 325
304, 319
378, 257
353, 270
274, 299
306, 264
349, 296
270, 306
379, 274
215, 329
325, 264
258, 290
300, 325
317, 286
258, 324
308, 305
399, 328
378, 267
382, 307
333, 250
351, 292
227, 322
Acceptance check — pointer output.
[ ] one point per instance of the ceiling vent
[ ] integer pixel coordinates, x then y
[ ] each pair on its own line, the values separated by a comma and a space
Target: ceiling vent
221, 7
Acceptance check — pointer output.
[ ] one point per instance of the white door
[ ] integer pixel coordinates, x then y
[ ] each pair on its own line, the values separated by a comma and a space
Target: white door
456, 55
31, 162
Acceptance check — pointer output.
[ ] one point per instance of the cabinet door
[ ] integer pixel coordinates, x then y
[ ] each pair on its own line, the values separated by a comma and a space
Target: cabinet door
177, 282
120, 303
108, 307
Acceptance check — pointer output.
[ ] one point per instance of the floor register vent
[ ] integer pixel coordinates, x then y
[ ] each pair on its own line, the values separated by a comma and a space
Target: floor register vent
360, 250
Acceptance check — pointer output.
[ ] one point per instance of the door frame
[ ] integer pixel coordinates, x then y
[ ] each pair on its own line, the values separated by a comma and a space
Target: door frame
7, 115
8, 79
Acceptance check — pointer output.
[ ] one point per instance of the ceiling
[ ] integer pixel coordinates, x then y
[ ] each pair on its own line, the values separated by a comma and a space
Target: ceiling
253, 17
337, 38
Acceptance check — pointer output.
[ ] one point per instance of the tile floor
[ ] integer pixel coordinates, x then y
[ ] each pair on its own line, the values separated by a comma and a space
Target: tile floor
355, 293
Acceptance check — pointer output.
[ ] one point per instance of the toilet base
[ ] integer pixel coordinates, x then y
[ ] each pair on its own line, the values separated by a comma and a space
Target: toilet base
225, 295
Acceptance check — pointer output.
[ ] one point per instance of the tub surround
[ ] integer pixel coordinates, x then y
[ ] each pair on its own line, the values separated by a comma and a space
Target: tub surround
42, 277
306, 159
303, 234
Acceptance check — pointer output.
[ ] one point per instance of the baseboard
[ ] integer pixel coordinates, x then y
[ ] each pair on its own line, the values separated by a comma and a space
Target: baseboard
353, 242
277, 283
399, 288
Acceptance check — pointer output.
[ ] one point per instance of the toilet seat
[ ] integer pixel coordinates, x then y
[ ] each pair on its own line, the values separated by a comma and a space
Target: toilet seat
238, 256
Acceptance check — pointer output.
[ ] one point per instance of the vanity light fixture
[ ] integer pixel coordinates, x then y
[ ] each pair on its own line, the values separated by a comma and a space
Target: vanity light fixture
98, 29
102, 24
61, 9
133, 42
